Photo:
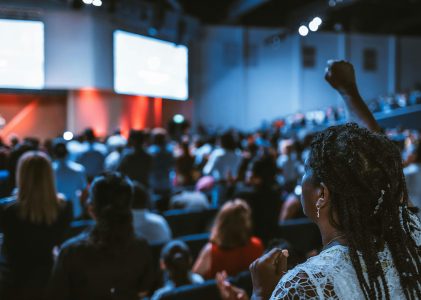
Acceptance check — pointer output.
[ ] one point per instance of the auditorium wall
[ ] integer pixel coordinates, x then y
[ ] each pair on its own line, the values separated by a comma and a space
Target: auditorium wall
410, 58
245, 80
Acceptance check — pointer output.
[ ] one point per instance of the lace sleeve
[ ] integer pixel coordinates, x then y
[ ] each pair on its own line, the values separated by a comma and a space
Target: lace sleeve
296, 287
299, 285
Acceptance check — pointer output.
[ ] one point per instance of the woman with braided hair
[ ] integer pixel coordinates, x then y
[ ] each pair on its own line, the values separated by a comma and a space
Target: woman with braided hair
354, 190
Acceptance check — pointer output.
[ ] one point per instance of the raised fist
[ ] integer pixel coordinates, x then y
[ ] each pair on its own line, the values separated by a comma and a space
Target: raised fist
340, 75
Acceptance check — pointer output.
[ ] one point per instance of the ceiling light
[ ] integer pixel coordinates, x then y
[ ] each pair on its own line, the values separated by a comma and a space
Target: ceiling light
303, 30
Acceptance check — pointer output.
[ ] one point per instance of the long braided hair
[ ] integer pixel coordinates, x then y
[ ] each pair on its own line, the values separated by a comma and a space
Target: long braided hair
363, 172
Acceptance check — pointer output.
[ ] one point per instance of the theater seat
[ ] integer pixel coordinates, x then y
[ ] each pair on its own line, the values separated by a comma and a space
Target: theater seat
208, 289
186, 222
303, 234
77, 227
203, 291
195, 242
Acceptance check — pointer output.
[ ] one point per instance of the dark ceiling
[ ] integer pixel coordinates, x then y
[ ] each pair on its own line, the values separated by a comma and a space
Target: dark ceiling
400, 17
368, 16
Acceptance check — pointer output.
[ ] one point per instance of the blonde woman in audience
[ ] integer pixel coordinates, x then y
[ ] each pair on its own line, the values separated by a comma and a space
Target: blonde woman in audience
33, 222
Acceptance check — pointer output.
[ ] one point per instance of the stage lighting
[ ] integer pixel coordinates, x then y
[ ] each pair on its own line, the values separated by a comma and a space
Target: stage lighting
298, 190
68, 136
2, 122
318, 21
87, 2
97, 3
313, 26
178, 119
303, 30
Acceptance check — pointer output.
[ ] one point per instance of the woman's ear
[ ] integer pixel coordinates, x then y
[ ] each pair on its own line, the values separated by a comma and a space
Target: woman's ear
324, 196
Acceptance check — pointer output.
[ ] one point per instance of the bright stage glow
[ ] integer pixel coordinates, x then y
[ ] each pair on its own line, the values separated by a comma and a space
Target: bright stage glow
318, 21
178, 119
298, 190
303, 30
87, 1
97, 3
149, 67
313, 26
68, 136
21, 54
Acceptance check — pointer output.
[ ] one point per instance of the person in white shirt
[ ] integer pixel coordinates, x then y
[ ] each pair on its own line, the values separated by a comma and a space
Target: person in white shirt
189, 200
70, 177
224, 162
289, 164
152, 227
92, 156
115, 144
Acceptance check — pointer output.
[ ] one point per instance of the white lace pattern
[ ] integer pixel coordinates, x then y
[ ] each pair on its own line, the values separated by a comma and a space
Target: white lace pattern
331, 275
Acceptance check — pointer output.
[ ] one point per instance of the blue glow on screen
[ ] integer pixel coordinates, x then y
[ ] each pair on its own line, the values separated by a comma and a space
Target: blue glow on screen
150, 67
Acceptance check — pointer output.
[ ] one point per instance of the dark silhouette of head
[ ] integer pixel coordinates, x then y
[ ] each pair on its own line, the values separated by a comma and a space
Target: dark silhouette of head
137, 139
177, 260
228, 141
60, 149
89, 135
141, 197
110, 204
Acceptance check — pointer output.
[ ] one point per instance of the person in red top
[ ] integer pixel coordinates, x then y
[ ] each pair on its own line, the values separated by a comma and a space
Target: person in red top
232, 248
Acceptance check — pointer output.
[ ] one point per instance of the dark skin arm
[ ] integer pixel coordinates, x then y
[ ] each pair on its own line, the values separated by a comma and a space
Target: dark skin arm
341, 76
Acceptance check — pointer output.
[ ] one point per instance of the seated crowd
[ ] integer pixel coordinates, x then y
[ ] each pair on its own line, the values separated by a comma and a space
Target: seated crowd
127, 189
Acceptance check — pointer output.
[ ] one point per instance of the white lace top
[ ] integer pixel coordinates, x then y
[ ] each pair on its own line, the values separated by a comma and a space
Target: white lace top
331, 275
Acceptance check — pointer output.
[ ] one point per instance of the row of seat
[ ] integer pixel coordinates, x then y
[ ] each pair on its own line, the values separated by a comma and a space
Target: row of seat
193, 228
208, 290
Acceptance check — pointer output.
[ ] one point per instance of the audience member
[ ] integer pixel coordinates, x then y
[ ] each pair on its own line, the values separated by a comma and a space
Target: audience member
263, 197
184, 167
189, 200
70, 177
176, 260
354, 190
153, 227
203, 149
17, 151
136, 162
108, 262
162, 162
289, 165
92, 155
33, 222
224, 162
232, 247
115, 144
4, 172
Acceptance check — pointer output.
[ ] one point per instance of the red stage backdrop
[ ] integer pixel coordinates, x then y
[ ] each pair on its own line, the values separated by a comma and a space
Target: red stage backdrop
46, 116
